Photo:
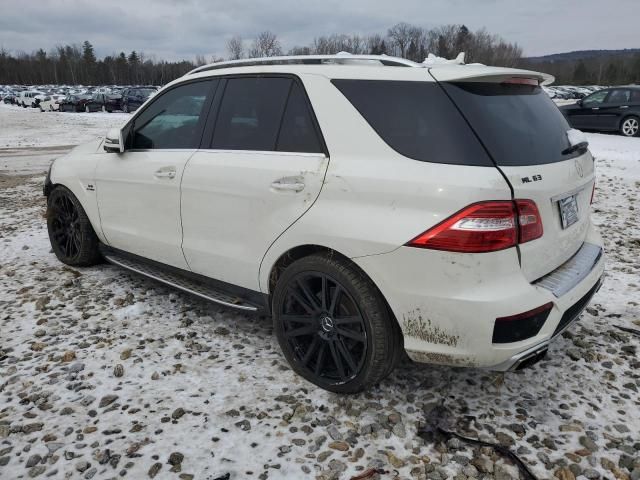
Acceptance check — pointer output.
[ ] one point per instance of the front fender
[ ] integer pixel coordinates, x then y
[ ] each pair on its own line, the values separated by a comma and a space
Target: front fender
76, 171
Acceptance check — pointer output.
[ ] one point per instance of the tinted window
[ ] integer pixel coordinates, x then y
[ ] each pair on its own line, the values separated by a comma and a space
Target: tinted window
250, 113
619, 96
596, 98
519, 124
298, 132
173, 120
416, 119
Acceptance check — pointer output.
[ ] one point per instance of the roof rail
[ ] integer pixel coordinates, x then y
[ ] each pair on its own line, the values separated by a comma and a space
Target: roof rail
338, 59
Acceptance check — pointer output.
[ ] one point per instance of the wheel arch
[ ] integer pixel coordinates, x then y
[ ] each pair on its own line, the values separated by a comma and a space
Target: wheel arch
301, 251
628, 115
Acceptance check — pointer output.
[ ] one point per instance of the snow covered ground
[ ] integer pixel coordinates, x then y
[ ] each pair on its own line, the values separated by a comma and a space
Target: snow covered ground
105, 374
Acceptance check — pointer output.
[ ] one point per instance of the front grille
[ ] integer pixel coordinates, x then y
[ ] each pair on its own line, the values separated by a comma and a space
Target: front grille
574, 311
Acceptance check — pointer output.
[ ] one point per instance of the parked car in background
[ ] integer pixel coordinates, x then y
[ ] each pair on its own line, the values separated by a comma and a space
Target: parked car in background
51, 102
105, 102
29, 98
74, 102
10, 99
132, 98
610, 109
464, 235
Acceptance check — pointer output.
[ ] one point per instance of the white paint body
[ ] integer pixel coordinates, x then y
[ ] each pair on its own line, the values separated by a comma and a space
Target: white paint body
220, 216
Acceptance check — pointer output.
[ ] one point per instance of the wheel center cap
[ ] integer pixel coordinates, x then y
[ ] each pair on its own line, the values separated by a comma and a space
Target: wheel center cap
326, 322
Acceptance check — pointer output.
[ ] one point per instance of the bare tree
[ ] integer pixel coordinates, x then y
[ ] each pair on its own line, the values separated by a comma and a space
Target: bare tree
200, 60
400, 35
235, 48
266, 44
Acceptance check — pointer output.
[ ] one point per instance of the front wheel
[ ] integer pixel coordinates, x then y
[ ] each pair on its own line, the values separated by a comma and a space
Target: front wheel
333, 325
72, 237
630, 126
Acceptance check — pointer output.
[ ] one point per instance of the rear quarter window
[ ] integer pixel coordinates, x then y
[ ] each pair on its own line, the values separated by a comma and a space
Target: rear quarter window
416, 119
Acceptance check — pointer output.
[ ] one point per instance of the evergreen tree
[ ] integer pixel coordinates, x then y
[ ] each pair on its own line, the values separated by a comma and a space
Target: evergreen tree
580, 74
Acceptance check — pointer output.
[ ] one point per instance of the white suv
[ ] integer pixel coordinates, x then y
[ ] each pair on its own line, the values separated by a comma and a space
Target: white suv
371, 205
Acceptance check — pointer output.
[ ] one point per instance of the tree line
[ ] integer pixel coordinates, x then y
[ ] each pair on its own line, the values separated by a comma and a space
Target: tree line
77, 64
613, 69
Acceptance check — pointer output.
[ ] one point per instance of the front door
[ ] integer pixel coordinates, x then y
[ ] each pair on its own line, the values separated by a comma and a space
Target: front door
139, 190
263, 170
585, 115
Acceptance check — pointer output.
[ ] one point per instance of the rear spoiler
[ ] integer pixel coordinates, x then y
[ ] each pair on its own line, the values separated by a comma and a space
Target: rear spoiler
481, 73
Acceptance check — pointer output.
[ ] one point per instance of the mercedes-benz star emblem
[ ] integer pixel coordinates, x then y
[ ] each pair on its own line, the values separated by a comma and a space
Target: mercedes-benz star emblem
327, 323
579, 168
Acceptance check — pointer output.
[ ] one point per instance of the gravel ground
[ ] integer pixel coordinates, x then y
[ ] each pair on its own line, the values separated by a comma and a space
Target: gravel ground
107, 375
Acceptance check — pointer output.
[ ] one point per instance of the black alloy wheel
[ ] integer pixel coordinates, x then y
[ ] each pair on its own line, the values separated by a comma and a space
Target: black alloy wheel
324, 327
72, 237
333, 325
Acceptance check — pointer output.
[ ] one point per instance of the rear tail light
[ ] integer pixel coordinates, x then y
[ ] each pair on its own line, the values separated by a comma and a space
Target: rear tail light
529, 220
484, 227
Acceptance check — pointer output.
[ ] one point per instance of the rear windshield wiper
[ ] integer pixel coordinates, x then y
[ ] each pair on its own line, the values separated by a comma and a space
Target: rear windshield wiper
578, 147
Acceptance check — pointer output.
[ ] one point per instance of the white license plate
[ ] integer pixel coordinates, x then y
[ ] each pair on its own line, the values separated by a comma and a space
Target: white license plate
568, 211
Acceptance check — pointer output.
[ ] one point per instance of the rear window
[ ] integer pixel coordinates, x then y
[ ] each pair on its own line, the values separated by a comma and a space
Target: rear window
519, 124
416, 119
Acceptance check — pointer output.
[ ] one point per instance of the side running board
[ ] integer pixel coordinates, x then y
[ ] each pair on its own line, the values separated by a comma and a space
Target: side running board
181, 282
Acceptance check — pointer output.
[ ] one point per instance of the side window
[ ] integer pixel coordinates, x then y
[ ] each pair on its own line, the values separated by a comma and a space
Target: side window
619, 96
172, 120
595, 98
250, 113
298, 133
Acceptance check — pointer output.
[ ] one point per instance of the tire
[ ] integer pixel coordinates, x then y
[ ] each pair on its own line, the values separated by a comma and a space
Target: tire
72, 237
344, 344
630, 126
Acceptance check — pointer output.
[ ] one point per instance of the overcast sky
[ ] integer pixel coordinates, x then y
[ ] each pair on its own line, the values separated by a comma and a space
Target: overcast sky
176, 29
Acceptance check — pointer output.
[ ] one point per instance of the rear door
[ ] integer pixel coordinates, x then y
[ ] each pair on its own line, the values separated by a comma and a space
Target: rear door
262, 170
526, 135
613, 108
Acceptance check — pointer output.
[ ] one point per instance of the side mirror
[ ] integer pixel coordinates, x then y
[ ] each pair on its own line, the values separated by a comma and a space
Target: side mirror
113, 142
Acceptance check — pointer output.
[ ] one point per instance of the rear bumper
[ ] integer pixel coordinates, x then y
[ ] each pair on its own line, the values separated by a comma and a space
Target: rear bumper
447, 303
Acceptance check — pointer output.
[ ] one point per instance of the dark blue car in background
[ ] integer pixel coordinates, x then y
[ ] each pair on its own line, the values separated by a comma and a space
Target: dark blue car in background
133, 97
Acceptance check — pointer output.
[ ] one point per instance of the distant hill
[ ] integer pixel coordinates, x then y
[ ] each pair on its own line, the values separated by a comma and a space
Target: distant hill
581, 55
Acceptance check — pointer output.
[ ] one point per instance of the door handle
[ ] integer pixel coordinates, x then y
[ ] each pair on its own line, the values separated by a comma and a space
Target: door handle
624, 106
167, 172
288, 185
595, 108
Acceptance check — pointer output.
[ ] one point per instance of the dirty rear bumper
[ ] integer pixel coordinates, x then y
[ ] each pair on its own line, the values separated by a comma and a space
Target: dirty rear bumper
447, 303
533, 355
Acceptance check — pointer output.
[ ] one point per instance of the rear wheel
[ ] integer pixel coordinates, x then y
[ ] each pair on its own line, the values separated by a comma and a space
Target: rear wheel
630, 126
333, 325
72, 237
